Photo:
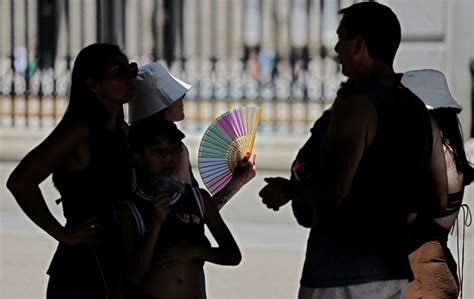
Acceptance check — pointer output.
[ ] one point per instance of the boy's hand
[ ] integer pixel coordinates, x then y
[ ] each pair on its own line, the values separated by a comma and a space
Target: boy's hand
161, 206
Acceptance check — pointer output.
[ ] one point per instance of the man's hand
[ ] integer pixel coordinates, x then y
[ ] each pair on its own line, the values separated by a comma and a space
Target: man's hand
272, 194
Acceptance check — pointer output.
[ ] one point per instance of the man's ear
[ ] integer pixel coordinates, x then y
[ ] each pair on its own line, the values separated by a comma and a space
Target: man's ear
93, 85
359, 45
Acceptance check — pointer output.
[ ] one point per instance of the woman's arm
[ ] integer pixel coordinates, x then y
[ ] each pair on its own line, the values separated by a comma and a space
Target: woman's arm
438, 173
60, 148
138, 251
242, 176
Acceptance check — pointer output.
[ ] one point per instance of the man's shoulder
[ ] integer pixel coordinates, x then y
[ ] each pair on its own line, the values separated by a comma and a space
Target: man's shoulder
349, 88
352, 101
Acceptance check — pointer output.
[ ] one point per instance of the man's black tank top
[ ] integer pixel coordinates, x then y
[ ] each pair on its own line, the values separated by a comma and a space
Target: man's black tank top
364, 238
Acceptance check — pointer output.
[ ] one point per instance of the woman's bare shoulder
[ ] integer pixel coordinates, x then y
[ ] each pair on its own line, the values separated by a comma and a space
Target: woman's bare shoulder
67, 143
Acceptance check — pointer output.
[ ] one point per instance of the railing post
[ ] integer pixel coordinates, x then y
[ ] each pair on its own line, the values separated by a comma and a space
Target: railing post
12, 60
49, 12
109, 20
472, 96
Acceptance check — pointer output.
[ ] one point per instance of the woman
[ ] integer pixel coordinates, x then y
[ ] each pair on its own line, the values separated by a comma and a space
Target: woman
160, 93
433, 265
87, 155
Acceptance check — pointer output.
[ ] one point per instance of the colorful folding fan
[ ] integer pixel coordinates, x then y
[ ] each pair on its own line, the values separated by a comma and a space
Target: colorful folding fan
225, 143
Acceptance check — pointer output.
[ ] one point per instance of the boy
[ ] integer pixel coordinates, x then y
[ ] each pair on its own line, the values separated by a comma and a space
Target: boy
162, 227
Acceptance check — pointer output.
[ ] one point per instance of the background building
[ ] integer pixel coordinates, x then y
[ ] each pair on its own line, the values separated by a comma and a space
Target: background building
279, 53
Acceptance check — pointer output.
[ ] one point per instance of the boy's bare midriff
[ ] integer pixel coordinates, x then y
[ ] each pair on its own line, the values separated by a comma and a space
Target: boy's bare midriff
173, 281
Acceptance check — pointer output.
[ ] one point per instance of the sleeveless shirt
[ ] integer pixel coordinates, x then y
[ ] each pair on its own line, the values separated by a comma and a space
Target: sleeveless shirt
184, 223
364, 239
94, 192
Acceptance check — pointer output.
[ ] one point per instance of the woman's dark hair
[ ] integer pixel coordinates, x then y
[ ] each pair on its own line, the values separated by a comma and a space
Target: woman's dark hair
378, 26
451, 135
91, 63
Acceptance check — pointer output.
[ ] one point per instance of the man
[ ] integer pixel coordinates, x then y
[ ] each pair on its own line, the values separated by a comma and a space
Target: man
378, 155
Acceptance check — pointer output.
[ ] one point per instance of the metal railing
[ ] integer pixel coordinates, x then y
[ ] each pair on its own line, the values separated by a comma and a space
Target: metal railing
274, 53
471, 67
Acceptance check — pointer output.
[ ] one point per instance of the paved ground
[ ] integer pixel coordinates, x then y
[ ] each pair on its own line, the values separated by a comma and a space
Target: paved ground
272, 243
272, 247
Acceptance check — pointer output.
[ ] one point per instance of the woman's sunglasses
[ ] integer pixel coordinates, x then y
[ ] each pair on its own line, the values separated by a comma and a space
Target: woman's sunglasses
124, 70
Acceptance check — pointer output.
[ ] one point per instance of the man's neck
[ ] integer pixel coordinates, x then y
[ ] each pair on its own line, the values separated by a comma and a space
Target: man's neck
377, 71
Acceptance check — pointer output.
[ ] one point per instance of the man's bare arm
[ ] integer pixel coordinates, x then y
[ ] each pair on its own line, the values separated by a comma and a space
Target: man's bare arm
352, 128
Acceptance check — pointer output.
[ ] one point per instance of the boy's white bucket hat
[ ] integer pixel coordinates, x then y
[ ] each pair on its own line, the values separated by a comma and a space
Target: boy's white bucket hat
157, 89
431, 87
